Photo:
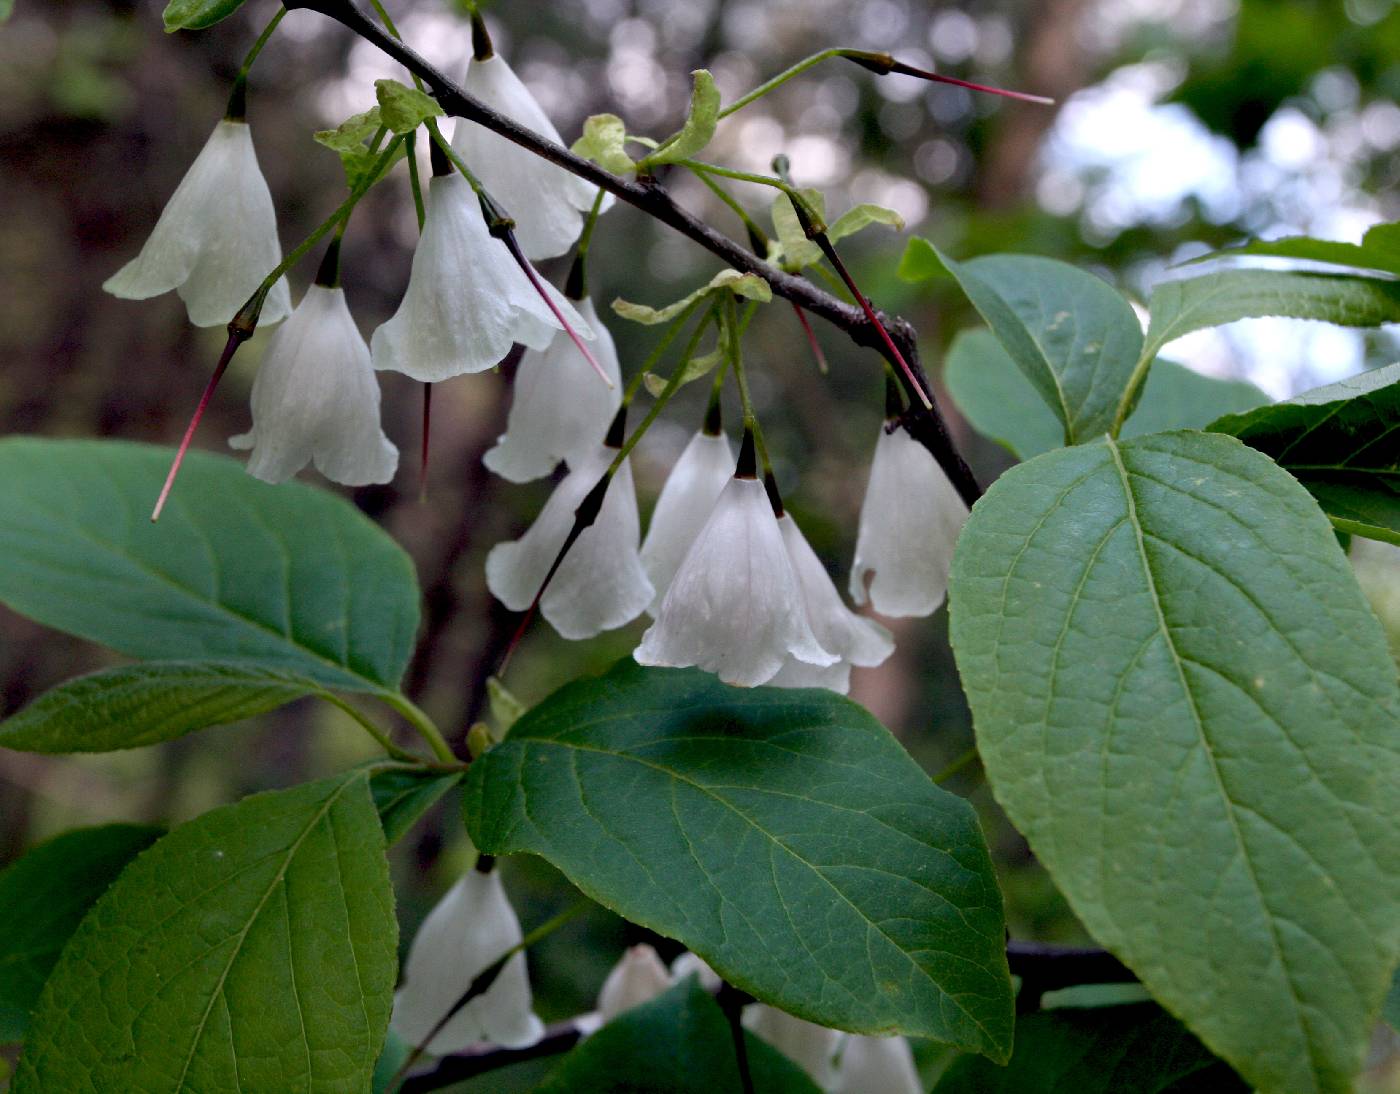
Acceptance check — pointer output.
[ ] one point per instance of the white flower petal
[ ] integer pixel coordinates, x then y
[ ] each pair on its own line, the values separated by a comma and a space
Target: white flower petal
690, 493
735, 607
884, 1064
909, 524
560, 409
638, 978
600, 584
467, 301
216, 238
316, 398
470, 928
806, 1044
688, 963
546, 202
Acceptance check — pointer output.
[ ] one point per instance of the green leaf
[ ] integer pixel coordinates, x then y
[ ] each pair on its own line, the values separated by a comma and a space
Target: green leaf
792, 248
1176, 397
1390, 1010
43, 897
351, 134
750, 286
700, 121
251, 949
197, 14
289, 576
138, 705
1072, 335
1136, 1049
860, 217
402, 796
1194, 303
402, 109
1343, 443
505, 708
604, 142
1379, 249
920, 261
7, 8
784, 836
1183, 701
679, 1043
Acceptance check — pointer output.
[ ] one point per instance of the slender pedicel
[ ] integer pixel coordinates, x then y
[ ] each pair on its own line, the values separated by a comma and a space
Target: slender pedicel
811, 338
882, 64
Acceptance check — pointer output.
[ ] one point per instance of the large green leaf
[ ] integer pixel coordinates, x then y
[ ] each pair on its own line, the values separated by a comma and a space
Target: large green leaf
1072, 335
1193, 303
43, 897
1184, 702
251, 949
403, 795
236, 569
1136, 1049
1342, 442
784, 836
1379, 249
197, 14
1000, 403
679, 1043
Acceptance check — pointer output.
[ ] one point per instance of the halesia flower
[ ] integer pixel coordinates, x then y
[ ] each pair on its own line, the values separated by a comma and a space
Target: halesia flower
636, 979
600, 584
806, 1044
868, 1064
469, 929
559, 408
686, 501
909, 524
467, 301
688, 963
735, 606
855, 639
546, 201
216, 239
316, 399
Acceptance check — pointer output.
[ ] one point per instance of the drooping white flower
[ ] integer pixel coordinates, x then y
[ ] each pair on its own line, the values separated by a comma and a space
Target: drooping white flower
559, 407
467, 301
810, 1046
546, 202
316, 399
600, 584
688, 963
690, 493
216, 238
636, 979
468, 930
854, 638
909, 524
735, 606
869, 1064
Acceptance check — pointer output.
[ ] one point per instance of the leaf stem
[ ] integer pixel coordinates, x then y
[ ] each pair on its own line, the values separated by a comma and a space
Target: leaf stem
780, 79
1131, 390
420, 721
373, 730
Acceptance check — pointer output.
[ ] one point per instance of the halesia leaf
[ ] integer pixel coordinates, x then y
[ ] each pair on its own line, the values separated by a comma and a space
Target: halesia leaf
784, 836
1390, 1010
505, 708
679, 1043
1342, 442
750, 286
138, 705
288, 576
792, 249
1378, 250
351, 134
250, 949
1072, 335
403, 795
1179, 307
7, 8
197, 14
692, 369
1137, 1049
1184, 702
860, 217
920, 261
402, 109
604, 141
43, 898
700, 121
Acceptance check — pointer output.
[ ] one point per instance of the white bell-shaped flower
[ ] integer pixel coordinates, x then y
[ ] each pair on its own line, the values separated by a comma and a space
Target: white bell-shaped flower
468, 930
854, 638
600, 584
559, 408
810, 1046
687, 963
316, 399
216, 239
692, 488
467, 301
546, 202
909, 524
735, 606
636, 979
869, 1064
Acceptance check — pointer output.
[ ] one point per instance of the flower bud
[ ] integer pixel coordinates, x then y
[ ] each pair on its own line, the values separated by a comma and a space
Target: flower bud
810, 1046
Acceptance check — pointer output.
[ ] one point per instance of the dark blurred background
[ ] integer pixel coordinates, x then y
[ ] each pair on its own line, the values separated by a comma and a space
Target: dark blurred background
1181, 125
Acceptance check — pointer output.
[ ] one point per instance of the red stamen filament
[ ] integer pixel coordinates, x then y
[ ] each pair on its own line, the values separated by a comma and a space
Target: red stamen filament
908, 70
230, 347
529, 271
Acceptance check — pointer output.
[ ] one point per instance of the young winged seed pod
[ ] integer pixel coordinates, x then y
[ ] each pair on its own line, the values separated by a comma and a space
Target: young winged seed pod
639, 977
216, 238
868, 1064
468, 930
467, 301
559, 409
857, 640
811, 1046
735, 606
316, 398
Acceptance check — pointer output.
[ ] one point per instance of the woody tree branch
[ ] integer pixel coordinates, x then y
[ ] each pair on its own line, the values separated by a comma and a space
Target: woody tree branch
925, 425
